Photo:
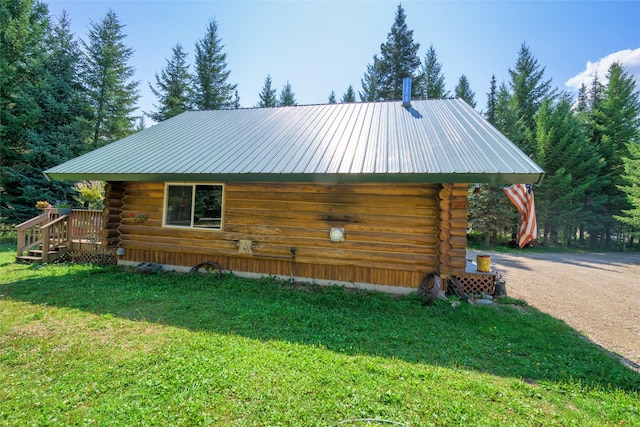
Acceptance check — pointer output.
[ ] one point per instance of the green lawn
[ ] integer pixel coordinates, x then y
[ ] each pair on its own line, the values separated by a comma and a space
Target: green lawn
86, 345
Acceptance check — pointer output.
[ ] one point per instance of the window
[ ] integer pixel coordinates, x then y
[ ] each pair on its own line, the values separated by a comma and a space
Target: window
193, 206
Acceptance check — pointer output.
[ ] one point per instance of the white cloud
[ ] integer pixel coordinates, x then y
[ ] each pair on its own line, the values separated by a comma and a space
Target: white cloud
629, 59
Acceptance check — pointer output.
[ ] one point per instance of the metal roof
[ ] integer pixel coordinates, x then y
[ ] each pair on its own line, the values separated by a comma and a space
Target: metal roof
443, 140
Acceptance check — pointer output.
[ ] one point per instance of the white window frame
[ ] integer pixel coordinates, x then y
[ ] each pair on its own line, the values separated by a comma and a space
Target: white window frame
193, 185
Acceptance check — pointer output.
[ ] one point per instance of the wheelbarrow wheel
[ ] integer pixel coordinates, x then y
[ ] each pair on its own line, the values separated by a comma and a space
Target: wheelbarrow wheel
209, 266
429, 288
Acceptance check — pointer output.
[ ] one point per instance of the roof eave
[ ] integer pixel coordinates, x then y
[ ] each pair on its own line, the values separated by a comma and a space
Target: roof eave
471, 177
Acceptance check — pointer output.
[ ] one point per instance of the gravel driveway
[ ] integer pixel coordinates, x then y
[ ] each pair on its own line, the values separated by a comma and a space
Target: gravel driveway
597, 294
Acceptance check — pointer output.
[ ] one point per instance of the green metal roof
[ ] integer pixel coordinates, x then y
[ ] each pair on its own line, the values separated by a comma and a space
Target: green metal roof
442, 140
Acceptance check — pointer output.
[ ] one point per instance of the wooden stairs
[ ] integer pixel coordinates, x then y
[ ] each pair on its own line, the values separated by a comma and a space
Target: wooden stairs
36, 255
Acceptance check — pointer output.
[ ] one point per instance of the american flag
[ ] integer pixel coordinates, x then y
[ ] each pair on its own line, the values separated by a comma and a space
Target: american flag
521, 195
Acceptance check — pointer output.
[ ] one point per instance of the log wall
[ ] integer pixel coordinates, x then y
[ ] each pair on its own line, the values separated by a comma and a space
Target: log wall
114, 192
395, 234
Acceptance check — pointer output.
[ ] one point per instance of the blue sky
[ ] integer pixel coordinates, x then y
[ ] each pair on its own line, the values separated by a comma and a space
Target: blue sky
320, 46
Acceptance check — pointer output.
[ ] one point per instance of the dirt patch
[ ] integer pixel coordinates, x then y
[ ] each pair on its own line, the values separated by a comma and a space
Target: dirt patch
598, 294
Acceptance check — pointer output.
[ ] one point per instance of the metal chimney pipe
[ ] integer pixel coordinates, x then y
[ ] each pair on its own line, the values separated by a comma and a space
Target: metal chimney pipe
406, 92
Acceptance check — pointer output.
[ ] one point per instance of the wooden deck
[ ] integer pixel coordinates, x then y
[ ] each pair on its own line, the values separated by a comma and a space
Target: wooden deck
52, 234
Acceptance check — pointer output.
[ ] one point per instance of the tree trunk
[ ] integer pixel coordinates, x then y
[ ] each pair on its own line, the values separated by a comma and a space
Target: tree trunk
554, 235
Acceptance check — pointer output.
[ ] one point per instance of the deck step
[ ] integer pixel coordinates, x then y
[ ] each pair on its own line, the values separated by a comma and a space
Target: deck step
28, 258
38, 252
35, 255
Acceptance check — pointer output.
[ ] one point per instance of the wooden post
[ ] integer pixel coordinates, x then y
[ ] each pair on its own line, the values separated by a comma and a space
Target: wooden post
114, 192
45, 245
21, 241
68, 237
444, 232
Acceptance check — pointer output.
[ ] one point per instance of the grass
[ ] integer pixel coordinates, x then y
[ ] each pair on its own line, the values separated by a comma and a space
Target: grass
83, 345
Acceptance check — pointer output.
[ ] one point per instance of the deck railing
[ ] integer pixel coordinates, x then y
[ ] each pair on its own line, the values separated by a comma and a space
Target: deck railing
52, 230
55, 235
86, 227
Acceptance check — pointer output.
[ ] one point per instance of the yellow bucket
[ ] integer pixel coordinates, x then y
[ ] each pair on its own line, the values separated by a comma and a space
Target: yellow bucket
484, 263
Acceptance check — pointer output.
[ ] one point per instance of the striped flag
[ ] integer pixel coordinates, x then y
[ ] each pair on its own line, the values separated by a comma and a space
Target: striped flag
521, 195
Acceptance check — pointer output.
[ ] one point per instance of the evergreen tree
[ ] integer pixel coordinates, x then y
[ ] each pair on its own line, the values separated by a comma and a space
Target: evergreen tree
508, 118
631, 187
620, 108
596, 93
212, 92
592, 114
24, 28
398, 58
582, 103
332, 98
593, 121
287, 97
491, 211
490, 214
64, 130
267, 97
492, 99
463, 91
569, 193
371, 82
141, 124
112, 93
173, 87
44, 111
349, 95
67, 111
236, 100
431, 79
528, 89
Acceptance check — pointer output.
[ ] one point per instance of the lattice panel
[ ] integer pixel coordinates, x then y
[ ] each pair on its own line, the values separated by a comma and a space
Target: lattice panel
98, 257
476, 284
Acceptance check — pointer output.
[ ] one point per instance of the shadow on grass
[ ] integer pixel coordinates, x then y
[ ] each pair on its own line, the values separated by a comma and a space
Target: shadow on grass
504, 340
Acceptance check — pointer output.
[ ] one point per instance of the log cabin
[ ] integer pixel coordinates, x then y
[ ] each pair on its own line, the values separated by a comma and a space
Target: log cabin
369, 195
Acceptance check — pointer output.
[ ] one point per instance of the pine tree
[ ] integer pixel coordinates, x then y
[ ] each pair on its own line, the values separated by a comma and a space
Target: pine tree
529, 89
569, 194
431, 78
23, 47
24, 30
267, 97
112, 93
287, 97
508, 118
398, 58
212, 92
463, 91
582, 103
596, 93
65, 121
332, 98
593, 121
141, 124
173, 87
44, 113
371, 82
491, 211
492, 99
620, 108
631, 187
236, 100
349, 95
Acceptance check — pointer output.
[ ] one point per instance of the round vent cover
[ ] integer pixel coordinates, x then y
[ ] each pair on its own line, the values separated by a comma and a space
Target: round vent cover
336, 234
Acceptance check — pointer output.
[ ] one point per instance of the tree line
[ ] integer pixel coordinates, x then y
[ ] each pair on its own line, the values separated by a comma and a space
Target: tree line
61, 96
